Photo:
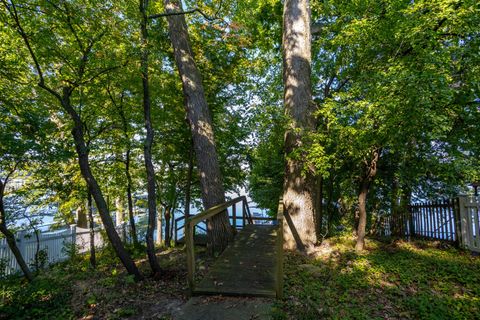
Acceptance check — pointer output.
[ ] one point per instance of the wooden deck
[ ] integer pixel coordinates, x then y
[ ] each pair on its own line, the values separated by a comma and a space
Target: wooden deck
248, 267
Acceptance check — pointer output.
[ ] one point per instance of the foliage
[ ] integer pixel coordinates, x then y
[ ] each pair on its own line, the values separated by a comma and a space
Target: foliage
47, 297
410, 280
71, 290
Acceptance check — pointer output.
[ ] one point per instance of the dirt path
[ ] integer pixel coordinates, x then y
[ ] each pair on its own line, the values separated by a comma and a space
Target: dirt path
225, 308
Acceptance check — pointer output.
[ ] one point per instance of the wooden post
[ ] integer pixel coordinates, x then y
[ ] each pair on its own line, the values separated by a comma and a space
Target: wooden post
249, 214
411, 224
189, 247
474, 208
435, 220
279, 273
234, 215
429, 220
451, 218
425, 220
244, 215
445, 221
73, 232
176, 231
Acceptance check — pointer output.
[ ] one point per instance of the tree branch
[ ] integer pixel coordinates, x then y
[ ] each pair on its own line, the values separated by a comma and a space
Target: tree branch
178, 13
14, 14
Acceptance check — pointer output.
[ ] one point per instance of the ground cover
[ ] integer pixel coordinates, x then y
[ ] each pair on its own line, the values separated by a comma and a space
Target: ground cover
390, 280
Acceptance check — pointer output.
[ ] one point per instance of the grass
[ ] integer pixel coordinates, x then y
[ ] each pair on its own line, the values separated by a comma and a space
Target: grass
390, 280
397, 280
73, 290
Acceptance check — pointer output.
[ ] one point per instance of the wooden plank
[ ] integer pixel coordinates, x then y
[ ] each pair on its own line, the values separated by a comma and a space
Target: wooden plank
476, 227
430, 221
426, 222
445, 223
431, 217
246, 267
234, 215
464, 222
458, 222
189, 247
451, 213
207, 214
418, 229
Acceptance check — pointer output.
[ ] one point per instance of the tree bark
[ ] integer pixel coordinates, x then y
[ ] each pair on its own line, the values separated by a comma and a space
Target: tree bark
367, 178
131, 218
120, 217
152, 206
394, 205
188, 186
211, 182
159, 226
405, 200
94, 188
93, 258
167, 226
298, 194
10, 237
319, 206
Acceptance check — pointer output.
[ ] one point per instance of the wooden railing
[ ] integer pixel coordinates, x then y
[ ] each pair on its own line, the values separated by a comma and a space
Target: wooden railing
246, 218
192, 221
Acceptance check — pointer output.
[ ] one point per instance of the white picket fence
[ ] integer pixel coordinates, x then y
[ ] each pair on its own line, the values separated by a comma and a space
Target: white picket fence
56, 244
470, 222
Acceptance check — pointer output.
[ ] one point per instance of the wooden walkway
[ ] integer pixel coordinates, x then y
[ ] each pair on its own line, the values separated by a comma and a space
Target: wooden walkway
248, 267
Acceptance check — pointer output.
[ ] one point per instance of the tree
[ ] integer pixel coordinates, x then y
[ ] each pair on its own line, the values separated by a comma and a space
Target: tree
298, 194
152, 206
200, 120
84, 45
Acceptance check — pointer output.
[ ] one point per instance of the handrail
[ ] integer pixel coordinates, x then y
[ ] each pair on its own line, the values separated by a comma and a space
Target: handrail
192, 221
213, 210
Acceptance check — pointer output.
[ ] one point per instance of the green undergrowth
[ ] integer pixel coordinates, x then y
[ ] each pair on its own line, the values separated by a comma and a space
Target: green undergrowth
396, 280
74, 290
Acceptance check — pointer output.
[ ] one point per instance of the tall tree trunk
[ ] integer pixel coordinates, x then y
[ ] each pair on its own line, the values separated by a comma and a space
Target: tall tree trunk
120, 217
330, 211
159, 226
10, 237
319, 206
131, 218
394, 204
298, 194
188, 186
94, 188
219, 230
167, 226
371, 172
405, 200
93, 258
152, 206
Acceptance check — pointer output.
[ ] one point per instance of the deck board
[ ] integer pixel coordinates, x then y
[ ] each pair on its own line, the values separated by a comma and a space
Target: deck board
246, 268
